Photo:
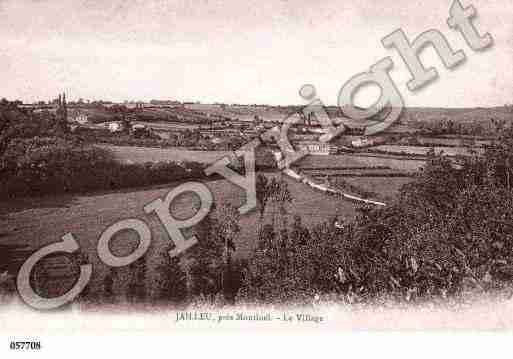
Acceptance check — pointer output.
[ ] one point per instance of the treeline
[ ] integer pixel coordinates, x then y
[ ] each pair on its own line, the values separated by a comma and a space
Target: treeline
446, 126
39, 156
191, 139
52, 165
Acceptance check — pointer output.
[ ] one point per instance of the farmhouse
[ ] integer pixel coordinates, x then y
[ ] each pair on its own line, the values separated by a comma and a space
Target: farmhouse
317, 148
78, 117
116, 126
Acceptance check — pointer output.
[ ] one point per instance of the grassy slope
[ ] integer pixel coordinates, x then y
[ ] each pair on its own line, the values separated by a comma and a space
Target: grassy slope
363, 160
145, 154
39, 222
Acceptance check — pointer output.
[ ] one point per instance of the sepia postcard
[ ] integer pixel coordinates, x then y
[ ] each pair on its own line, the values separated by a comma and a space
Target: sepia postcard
174, 167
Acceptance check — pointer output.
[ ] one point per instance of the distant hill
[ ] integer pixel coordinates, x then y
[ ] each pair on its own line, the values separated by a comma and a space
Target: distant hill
411, 118
462, 115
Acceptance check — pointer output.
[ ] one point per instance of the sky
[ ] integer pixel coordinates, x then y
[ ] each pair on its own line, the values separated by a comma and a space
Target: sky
235, 51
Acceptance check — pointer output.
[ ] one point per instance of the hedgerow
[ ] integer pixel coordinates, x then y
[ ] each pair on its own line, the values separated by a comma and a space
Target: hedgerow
50, 165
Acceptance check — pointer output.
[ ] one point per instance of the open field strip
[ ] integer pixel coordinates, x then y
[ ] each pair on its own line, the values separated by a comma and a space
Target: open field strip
370, 172
451, 142
326, 189
167, 126
133, 154
36, 222
418, 150
396, 162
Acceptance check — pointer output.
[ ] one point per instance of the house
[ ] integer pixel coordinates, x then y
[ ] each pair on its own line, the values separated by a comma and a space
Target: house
116, 126
317, 147
368, 142
79, 117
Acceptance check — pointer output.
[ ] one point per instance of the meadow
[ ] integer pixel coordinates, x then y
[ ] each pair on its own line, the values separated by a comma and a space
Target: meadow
133, 154
423, 151
402, 163
36, 222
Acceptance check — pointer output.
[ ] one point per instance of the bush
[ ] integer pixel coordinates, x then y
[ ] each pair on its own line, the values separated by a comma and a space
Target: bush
171, 287
449, 232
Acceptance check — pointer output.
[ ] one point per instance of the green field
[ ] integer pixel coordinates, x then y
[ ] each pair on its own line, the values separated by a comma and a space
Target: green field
458, 115
386, 188
422, 151
133, 154
402, 163
36, 222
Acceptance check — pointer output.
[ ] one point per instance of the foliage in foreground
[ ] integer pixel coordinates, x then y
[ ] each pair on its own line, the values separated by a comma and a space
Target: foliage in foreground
450, 231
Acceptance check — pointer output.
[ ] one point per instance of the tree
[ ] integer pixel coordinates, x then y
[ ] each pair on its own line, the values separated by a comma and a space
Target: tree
266, 237
209, 263
299, 233
170, 281
108, 285
228, 218
137, 285
12, 123
307, 271
262, 193
279, 195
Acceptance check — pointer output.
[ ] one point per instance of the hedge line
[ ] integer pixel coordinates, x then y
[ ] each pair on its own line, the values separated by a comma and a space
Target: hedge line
40, 166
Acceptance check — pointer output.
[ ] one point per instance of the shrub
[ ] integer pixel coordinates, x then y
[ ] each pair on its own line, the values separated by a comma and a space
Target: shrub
449, 232
171, 286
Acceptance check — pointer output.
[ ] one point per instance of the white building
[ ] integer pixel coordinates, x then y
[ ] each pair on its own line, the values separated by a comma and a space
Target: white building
79, 117
116, 126
317, 148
